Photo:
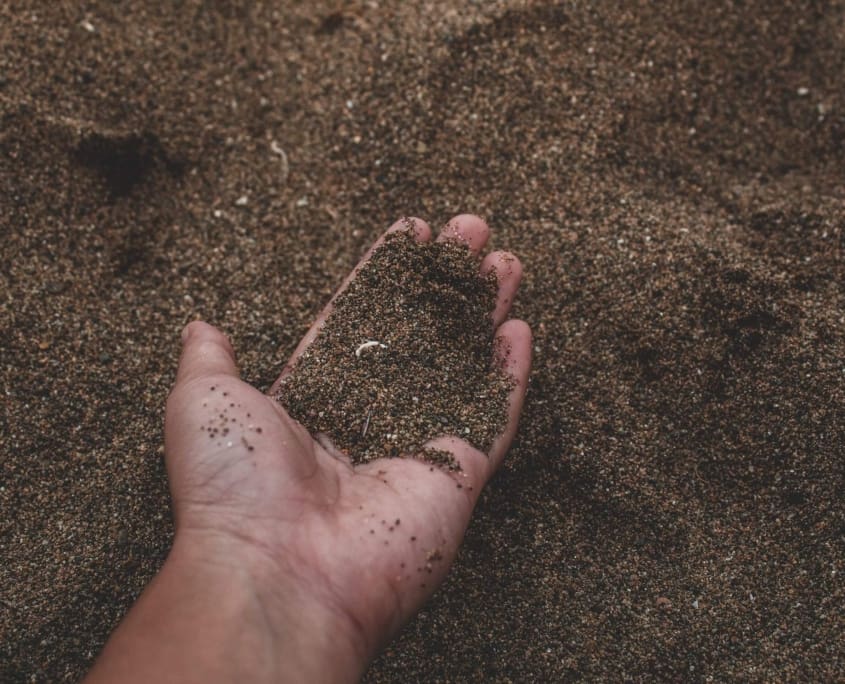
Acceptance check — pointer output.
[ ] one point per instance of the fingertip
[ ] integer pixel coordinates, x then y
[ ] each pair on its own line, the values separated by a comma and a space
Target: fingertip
516, 331
197, 328
420, 229
469, 229
205, 351
506, 265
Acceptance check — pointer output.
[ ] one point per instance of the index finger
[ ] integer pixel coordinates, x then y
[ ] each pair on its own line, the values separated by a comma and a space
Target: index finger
422, 233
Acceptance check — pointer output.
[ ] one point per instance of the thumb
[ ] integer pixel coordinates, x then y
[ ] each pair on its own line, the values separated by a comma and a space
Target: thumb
205, 351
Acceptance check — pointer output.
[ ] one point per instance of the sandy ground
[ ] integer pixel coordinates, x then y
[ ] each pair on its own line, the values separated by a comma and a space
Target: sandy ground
671, 177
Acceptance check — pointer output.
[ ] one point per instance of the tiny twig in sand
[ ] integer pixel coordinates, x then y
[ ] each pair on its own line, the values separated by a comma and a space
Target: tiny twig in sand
367, 345
276, 149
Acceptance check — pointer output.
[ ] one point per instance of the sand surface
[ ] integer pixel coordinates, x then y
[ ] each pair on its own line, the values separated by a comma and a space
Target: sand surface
671, 175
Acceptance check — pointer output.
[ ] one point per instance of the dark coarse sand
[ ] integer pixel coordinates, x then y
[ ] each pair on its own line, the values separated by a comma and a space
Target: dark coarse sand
670, 175
406, 355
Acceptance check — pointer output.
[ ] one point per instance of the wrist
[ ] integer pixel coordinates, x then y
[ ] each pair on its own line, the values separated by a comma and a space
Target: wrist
287, 630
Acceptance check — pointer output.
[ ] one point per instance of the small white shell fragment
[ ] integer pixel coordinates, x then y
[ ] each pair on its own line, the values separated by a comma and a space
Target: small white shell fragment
367, 345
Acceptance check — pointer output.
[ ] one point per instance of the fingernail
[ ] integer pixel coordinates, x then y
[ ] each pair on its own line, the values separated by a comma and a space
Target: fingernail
186, 333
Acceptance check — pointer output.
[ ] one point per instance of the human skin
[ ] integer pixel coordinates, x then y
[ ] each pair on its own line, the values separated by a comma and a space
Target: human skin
274, 574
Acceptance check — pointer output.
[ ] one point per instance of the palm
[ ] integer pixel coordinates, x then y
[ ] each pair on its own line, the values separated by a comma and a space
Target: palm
373, 540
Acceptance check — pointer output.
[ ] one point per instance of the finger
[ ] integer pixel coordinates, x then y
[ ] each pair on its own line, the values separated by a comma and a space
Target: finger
205, 352
468, 229
513, 353
508, 272
422, 233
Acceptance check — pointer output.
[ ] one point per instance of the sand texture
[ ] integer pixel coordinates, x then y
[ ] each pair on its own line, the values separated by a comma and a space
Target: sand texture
405, 357
671, 176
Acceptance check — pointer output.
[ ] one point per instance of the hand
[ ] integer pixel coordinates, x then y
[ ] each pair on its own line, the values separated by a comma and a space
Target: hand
333, 554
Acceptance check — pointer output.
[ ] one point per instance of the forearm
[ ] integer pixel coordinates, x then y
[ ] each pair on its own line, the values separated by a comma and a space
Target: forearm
224, 621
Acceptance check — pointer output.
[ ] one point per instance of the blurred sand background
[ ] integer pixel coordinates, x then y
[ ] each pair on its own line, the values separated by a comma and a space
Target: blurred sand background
670, 174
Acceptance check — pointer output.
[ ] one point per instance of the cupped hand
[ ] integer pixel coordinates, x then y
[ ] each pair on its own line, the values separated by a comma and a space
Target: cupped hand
367, 544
